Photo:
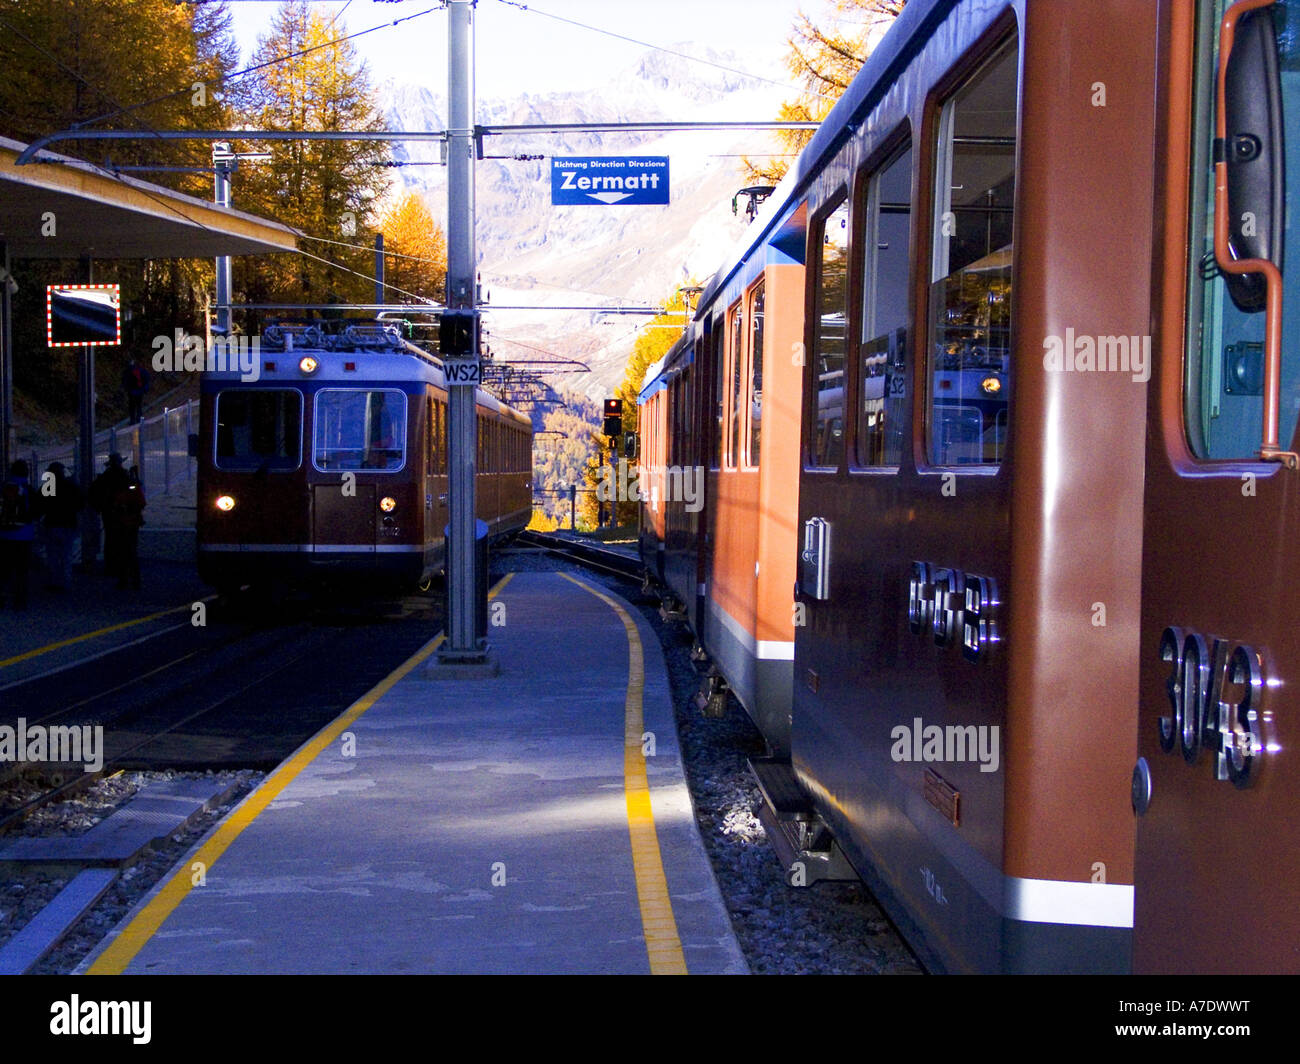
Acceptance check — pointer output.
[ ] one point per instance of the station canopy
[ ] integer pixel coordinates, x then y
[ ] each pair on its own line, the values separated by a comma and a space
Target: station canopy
107, 216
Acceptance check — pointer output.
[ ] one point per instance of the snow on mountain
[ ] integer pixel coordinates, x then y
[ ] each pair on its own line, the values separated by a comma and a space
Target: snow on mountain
533, 254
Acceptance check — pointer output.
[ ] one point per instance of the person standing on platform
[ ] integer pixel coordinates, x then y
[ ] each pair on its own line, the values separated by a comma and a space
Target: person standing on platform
112, 481
60, 511
124, 516
135, 382
17, 532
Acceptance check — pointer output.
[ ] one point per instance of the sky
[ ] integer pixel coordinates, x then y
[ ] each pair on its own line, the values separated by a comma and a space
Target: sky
526, 51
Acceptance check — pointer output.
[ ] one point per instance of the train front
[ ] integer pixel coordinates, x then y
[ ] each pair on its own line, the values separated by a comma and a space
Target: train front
310, 469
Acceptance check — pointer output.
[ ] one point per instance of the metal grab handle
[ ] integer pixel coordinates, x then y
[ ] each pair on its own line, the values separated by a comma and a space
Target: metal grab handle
1270, 450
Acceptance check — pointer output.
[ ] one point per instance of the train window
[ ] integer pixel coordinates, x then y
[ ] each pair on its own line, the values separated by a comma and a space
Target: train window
715, 343
259, 428
360, 429
430, 432
755, 371
1224, 384
882, 356
442, 437
735, 363
686, 452
830, 321
970, 290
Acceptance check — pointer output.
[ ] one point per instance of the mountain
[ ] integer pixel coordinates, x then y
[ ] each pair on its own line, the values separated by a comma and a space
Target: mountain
535, 255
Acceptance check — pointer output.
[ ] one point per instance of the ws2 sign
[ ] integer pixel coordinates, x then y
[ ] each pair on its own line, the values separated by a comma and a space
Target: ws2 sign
461, 371
608, 180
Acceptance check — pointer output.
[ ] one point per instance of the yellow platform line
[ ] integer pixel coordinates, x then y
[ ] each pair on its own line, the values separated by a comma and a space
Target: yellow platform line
123, 950
98, 632
662, 944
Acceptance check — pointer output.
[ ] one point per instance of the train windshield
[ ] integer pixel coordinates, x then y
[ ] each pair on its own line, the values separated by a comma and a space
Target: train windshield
360, 429
259, 428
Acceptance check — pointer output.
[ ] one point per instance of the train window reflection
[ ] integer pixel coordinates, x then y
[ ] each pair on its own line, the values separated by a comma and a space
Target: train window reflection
829, 327
1224, 386
882, 357
358, 429
735, 359
756, 373
259, 428
970, 291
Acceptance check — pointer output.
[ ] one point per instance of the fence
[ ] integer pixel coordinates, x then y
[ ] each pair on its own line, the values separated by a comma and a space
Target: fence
158, 447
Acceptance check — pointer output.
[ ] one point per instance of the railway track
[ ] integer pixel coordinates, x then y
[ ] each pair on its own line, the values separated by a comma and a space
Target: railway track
234, 694
588, 554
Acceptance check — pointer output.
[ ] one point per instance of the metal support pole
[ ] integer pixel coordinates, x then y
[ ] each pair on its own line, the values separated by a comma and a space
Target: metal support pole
222, 163
6, 362
463, 643
379, 267
573, 507
86, 437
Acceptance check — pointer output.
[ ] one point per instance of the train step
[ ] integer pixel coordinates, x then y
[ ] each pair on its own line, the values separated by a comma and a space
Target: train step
802, 841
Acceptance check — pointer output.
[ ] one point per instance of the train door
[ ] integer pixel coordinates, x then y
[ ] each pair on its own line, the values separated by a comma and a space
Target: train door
1217, 784
356, 432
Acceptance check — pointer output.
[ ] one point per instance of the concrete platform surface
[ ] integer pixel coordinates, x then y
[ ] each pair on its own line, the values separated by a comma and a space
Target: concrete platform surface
59, 628
464, 826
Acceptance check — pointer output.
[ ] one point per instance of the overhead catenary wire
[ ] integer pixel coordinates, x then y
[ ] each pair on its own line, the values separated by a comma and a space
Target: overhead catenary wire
670, 51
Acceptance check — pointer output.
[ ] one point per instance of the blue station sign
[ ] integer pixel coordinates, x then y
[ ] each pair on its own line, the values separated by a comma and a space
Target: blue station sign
610, 179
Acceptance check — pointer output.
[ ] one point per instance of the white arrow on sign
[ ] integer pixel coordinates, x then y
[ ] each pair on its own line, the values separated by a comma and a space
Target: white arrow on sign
610, 197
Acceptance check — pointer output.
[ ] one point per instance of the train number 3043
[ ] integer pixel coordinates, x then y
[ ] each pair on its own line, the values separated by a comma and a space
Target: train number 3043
947, 603
1215, 689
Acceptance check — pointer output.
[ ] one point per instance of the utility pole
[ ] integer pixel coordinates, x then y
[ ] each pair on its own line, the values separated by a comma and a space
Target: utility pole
223, 162
459, 343
379, 267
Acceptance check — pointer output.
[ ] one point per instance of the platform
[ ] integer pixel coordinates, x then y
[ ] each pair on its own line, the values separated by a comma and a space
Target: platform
501, 825
59, 628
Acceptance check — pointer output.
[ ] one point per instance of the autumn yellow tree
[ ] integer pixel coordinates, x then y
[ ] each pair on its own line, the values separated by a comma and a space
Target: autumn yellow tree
415, 249
824, 57
325, 188
657, 337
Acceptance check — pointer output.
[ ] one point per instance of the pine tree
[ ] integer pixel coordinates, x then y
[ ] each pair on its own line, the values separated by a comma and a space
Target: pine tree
824, 58
415, 247
325, 188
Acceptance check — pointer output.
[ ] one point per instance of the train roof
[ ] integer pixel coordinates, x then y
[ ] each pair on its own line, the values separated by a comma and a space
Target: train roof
905, 38
658, 374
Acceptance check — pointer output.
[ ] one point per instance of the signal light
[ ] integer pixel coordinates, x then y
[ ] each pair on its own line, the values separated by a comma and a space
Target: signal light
388, 504
613, 418
225, 503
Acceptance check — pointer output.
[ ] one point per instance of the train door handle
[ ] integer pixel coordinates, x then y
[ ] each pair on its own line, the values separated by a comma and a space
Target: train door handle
815, 558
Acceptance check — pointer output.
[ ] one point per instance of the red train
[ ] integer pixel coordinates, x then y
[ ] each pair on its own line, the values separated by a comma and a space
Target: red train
997, 383
328, 465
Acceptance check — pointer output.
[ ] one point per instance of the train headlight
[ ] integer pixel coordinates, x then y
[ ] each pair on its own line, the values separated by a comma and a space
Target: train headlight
388, 504
991, 385
308, 364
225, 503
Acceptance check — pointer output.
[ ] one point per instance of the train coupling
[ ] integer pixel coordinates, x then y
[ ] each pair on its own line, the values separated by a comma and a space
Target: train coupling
711, 698
803, 843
